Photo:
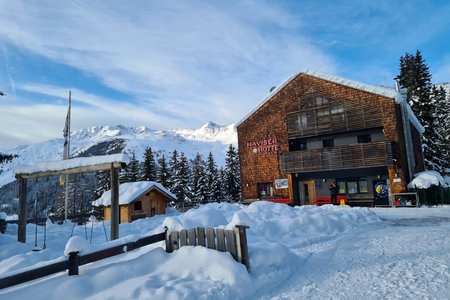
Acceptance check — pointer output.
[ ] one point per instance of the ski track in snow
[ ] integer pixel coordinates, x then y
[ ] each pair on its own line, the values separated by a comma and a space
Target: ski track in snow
391, 262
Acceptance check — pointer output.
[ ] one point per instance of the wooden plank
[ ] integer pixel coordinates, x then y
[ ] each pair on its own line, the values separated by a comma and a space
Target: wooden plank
201, 236
33, 274
174, 237
115, 203
76, 170
191, 237
220, 236
231, 243
210, 239
183, 238
22, 228
242, 241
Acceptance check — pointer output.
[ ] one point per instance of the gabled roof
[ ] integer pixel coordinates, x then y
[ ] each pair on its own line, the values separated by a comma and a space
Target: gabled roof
130, 191
378, 90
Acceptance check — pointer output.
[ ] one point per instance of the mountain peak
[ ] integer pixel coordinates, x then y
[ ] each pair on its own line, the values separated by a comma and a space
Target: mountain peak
211, 125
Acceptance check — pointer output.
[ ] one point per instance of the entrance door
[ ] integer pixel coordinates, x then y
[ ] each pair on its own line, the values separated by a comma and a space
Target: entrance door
307, 192
380, 192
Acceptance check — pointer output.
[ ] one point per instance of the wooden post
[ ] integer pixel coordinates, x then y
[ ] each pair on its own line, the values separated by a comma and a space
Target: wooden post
114, 203
22, 228
168, 240
74, 261
242, 245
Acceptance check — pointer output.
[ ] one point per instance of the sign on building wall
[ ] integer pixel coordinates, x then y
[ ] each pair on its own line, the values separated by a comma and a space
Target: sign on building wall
264, 146
281, 183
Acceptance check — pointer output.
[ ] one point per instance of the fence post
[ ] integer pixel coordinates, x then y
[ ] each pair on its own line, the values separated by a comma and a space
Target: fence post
241, 240
74, 260
168, 240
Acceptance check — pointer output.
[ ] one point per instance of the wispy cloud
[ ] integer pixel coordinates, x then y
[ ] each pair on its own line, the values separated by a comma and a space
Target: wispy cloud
182, 63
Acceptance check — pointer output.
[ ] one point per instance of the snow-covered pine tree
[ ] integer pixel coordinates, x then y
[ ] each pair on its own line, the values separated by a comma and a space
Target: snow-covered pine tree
173, 169
149, 167
181, 186
163, 173
198, 180
131, 171
441, 149
415, 76
232, 175
222, 196
102, 183
212, 180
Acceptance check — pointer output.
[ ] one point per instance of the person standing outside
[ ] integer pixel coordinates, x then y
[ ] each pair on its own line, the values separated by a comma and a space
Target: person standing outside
333, 192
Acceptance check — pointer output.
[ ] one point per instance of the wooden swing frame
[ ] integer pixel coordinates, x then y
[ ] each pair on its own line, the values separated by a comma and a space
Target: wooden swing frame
113, 167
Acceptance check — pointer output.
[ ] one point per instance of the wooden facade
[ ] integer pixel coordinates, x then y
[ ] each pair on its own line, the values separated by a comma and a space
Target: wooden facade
314, 130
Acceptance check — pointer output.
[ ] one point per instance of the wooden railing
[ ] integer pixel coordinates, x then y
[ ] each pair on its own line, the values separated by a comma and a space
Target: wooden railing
233, 241
373, 154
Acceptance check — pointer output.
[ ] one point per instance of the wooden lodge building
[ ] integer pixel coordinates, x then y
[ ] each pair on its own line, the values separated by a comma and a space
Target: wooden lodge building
137, 200
316, 128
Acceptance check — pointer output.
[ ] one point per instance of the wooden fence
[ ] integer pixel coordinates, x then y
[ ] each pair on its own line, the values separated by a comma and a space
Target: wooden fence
233, 241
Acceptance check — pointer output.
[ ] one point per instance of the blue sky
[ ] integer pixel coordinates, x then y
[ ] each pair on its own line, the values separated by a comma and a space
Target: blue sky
178, 64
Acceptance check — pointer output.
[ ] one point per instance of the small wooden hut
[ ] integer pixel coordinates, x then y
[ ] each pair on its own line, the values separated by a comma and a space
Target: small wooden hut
137, 200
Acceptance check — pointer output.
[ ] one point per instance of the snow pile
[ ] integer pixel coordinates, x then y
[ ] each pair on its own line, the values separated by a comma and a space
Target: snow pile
276, 233
426, 179
76, 244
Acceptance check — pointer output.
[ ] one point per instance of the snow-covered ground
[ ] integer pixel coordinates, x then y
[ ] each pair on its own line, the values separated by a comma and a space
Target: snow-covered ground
309, 252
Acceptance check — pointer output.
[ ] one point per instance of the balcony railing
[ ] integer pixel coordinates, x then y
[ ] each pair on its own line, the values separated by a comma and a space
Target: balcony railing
373, 154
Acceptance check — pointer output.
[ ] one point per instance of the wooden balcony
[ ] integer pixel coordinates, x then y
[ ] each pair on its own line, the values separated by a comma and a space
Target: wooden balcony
375, 154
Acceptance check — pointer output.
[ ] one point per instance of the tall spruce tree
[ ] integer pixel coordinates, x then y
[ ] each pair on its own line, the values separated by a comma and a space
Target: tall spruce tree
131, 171
416, 78
441, 113
198, 180
149, 166
163, 172
232, 175
181, 185
173, 169
212, 180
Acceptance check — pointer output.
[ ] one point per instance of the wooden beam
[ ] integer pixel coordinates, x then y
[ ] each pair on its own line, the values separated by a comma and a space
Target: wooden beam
114, 202
75, 170
22, 228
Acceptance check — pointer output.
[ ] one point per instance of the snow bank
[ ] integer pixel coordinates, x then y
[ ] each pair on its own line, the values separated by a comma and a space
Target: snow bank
426, 179
277, 233
76, 244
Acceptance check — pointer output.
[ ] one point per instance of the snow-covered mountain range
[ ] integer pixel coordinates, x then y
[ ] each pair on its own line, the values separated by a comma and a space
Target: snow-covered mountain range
101, 140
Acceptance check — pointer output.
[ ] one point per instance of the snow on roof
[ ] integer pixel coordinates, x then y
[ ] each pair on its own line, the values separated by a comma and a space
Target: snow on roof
59, 165
130, 191
426, 179
378, 90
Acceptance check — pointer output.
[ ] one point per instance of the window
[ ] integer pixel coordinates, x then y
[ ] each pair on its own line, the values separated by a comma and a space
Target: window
328, 143
352, 185
265, 189
342, 189
363, 186
364, 138
137, 205
297, 144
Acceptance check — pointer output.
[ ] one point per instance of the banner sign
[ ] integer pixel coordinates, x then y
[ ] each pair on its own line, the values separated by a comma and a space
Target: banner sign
281, 183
